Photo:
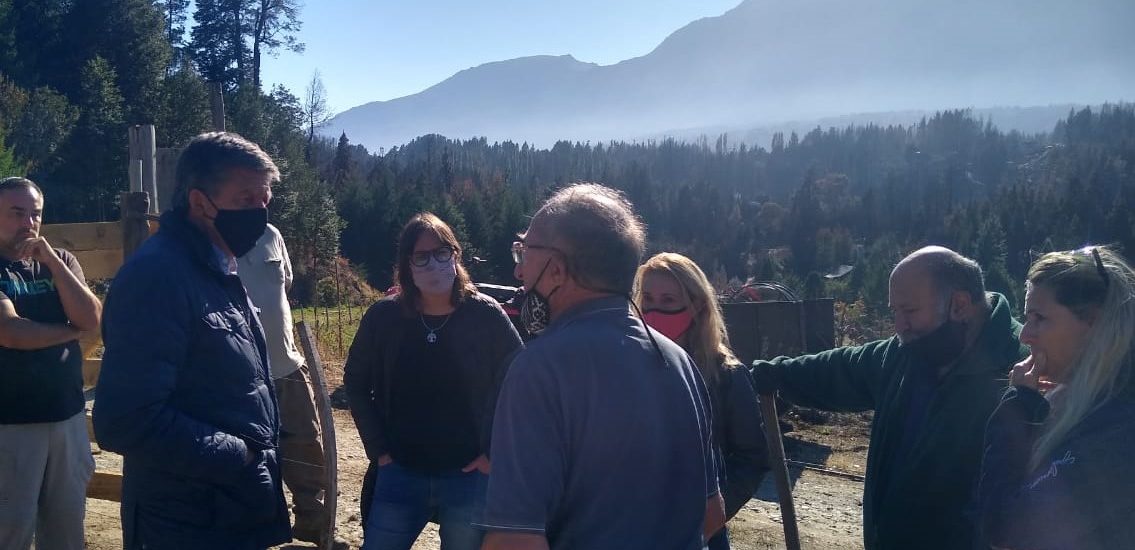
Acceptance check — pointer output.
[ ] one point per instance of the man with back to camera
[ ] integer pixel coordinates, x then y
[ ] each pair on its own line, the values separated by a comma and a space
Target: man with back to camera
932, 386
185, 394
601, 438
45, 452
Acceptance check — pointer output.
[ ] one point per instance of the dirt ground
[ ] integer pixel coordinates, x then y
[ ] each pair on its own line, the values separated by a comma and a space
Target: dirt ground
828, 507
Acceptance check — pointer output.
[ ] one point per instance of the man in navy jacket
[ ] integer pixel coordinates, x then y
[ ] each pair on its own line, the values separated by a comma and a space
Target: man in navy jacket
185, 394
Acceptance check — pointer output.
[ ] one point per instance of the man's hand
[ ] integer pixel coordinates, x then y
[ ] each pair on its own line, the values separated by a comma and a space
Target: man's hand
500, 540
714, 516
481, 464
38, 249
82, 308
764, 378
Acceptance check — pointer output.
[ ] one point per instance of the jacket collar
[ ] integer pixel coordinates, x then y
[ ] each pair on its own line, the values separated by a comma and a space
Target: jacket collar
176, 224
999, 339
594, 305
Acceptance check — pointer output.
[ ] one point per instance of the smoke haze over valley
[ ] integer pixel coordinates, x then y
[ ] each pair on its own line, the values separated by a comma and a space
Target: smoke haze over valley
789, 65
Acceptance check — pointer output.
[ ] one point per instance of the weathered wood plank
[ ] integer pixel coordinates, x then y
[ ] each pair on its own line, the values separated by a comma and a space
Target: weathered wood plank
327, 427
135, 225
100, 264
91, 369
105, 486
83, 236
167, 173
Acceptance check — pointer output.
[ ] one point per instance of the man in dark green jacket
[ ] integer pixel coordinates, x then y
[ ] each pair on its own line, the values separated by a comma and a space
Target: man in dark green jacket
932, 387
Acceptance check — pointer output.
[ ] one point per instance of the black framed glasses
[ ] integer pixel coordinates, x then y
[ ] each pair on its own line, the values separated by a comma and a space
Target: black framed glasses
422, 257
520, 247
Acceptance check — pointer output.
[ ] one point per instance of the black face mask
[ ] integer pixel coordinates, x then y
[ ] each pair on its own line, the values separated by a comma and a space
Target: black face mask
941, 346
535, 312
240, 229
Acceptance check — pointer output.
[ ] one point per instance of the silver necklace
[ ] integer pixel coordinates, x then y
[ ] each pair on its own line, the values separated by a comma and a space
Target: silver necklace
431, 336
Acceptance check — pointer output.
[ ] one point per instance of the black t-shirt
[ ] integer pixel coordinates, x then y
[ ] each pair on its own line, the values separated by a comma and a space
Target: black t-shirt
44, 385
432, 424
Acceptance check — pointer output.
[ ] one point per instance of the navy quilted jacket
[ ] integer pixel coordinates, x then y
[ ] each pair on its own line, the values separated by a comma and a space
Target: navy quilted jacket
184, 391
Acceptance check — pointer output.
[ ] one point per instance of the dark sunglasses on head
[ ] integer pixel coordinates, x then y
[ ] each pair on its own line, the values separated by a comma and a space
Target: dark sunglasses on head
1095, 253
442, 254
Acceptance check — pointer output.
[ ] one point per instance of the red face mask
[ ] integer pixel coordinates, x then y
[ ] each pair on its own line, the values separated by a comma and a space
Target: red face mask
672, 324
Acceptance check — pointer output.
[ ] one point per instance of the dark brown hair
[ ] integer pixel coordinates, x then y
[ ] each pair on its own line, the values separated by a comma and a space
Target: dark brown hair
421, 223
16, 182
205, 163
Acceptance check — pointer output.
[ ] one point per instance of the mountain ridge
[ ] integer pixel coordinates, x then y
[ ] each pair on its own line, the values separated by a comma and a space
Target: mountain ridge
764, 63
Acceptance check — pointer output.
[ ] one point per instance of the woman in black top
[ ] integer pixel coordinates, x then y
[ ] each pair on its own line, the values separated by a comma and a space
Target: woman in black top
1057, 470
422, 378
677, 300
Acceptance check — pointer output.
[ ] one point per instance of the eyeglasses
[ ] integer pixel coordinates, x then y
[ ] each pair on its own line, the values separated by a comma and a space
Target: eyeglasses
441, 254
519, 248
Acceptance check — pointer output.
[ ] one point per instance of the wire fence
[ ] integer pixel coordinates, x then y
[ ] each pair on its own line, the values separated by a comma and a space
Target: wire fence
334, 327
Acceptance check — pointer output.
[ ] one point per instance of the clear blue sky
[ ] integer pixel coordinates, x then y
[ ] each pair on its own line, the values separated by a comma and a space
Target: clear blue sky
370, 50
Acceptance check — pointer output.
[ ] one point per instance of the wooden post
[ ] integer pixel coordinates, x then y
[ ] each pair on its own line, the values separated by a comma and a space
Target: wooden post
135, 225
339, 309
134, 163
166, 176
775, 444
143, 162
327, 429
217, 106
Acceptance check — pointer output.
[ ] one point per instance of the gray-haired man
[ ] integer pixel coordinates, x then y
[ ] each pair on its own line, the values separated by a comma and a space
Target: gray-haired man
602, 431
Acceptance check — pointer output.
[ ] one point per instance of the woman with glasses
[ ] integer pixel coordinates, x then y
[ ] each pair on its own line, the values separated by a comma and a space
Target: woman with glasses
422, 378
1057, 470
677, 300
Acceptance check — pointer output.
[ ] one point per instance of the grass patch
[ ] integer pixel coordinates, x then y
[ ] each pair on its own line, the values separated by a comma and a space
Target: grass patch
334, 328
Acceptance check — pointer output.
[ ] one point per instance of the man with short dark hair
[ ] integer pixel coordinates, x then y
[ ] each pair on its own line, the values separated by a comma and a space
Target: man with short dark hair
601, 438
932, 386
185, 393
45, 453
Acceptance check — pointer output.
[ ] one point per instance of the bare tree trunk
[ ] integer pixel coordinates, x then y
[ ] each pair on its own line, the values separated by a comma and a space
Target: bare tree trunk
257, 39
238, 40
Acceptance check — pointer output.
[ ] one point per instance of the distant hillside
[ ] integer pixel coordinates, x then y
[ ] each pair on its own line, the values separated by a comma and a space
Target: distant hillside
765, 63
1027, 120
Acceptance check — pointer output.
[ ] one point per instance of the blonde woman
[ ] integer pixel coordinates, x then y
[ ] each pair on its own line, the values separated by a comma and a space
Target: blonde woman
677, 300
1057, 470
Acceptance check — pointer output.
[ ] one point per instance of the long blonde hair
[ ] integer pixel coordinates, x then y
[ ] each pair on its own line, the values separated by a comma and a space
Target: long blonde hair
1098, 286
707, 340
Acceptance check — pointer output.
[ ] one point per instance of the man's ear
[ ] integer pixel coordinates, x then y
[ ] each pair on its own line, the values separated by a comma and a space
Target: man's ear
198, 202
961, 306
558, 270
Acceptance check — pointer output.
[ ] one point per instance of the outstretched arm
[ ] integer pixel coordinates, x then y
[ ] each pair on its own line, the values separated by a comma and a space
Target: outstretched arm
843, 379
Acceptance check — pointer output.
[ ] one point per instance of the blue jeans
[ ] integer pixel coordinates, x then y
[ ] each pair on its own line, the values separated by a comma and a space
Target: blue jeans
405, 500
